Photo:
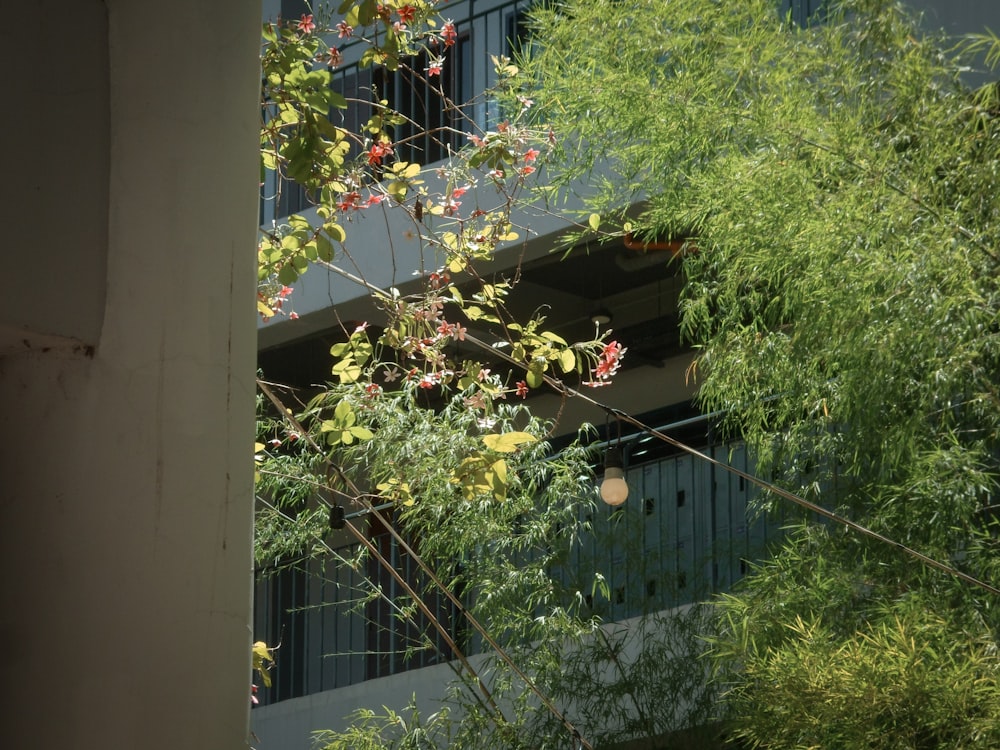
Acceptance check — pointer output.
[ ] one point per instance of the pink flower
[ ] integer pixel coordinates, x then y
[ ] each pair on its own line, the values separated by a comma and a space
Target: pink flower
335, 57
293, 316
522, 389
609, 362
530, 155
525, 171
448, 33
306, 25
460, 332
459, 191
435, 66
446, 328
344, 31
612, 351
407, 13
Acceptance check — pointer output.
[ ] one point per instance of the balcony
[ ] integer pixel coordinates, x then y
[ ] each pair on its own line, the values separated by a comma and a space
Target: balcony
684, 534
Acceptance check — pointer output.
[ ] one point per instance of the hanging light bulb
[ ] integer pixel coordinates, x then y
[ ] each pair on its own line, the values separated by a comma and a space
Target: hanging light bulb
614, 490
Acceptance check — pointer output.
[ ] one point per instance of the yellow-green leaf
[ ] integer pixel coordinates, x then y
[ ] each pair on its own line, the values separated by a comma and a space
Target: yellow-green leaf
567, 360
508, 442
594, 221
335, 231
396, 189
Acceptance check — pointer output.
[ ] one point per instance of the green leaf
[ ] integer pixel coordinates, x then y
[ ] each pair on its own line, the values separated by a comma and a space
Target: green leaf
324, 248
594, 221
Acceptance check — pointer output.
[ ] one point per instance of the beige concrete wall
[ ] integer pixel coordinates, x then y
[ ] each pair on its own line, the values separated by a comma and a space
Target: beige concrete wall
125, 478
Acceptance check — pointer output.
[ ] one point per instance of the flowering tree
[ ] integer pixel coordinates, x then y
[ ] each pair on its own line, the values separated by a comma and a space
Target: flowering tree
441, 438
835, 187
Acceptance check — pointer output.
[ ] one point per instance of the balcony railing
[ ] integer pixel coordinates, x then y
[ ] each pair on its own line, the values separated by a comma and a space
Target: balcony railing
484, 28
684, 533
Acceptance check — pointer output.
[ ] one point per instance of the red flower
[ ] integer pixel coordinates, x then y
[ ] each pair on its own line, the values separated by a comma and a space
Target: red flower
612, 351
434, 69
407, 14
349, 201
448, 33
522, 389
379, 151
438, 278
530, 155
306, 25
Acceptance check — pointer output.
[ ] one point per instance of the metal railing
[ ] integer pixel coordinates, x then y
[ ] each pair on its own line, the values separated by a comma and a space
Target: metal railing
484, 29
684, 533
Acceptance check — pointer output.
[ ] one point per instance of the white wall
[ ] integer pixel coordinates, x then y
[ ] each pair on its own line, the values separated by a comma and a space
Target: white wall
125, 478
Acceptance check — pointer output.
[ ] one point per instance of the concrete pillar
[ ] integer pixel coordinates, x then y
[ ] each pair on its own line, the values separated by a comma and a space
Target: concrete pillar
127, 345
